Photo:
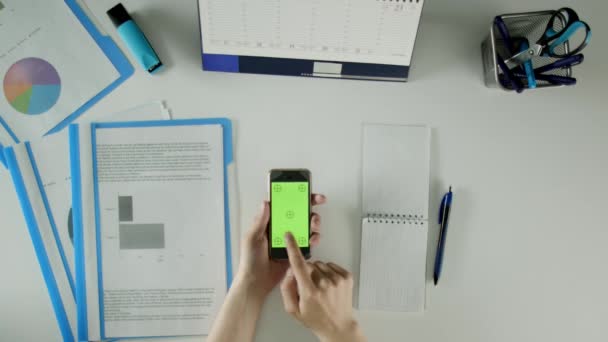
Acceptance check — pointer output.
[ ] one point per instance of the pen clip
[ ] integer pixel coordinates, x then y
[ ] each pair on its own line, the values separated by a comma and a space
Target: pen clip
447, 198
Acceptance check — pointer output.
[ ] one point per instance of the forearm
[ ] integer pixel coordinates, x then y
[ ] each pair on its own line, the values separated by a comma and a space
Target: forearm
238, 316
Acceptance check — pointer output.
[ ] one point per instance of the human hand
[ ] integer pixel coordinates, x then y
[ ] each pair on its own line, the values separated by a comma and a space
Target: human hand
320, 295
256, 270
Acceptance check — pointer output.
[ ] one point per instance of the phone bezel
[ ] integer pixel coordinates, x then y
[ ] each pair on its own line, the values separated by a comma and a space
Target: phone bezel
287, 175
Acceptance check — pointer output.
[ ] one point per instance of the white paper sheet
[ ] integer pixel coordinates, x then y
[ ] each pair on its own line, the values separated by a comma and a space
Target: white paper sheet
52, 161
364, 31
396, 169
52, 158
49, 64
396, 162
89, 246
161, 206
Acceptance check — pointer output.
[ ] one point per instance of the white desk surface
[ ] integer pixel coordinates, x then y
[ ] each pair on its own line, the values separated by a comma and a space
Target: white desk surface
526, 255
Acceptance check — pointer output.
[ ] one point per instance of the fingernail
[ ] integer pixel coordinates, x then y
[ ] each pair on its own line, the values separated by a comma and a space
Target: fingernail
288, 237
263, 206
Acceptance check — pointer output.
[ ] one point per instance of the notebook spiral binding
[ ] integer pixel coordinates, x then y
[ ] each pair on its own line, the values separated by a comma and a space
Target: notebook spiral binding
388, 218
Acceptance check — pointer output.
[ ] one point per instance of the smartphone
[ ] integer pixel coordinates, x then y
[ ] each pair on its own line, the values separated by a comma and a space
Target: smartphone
289, 191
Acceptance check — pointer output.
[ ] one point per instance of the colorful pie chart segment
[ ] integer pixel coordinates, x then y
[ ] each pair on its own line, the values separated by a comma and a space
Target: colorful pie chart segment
32, 86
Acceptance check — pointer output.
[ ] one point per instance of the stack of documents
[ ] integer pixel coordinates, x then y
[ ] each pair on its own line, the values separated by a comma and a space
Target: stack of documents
129, 220
125, 219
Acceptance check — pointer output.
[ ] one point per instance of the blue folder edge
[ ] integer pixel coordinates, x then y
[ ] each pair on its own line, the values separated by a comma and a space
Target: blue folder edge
77, 207
49, 213
39, 248
81, 294
13, 136
110, 49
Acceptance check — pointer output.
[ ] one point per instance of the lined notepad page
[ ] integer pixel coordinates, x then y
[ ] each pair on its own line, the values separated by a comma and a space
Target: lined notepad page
393, 266
363, 31
396, 162
396, 169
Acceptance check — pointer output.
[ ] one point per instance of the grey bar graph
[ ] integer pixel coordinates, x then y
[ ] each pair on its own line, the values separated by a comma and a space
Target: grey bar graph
125, 208
142, 236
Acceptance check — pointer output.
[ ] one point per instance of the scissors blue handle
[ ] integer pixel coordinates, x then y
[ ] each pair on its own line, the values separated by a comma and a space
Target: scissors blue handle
552, 39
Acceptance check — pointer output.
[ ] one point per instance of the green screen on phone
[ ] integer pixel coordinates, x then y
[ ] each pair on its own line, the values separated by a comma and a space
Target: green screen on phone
289, 212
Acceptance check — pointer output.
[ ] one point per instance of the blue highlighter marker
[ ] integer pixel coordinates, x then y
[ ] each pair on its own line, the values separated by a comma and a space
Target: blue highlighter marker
135, 39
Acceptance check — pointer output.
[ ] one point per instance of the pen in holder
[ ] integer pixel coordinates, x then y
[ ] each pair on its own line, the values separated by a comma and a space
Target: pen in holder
533, 50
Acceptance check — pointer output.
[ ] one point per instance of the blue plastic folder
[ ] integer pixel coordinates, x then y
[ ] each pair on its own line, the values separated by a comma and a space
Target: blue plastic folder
43, 230
40, 173
110, 49
81, 135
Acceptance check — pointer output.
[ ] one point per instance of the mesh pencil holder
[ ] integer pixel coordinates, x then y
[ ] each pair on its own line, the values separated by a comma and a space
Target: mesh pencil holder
530, 26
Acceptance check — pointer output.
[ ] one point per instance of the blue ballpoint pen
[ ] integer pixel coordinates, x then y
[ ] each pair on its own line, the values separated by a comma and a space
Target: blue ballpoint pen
444, 215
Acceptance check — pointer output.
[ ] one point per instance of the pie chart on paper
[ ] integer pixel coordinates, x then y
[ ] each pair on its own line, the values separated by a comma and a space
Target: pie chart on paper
32, 86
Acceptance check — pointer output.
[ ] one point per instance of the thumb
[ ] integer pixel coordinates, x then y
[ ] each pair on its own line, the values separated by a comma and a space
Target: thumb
260, 223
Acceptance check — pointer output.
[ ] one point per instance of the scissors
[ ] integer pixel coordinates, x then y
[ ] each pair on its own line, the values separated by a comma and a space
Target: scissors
552, 38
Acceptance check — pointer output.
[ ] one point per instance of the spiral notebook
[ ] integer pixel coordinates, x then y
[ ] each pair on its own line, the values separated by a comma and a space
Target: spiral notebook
396, 165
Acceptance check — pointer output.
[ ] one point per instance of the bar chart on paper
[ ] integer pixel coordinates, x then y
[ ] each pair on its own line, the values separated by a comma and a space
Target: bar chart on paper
137, 235
361, 31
